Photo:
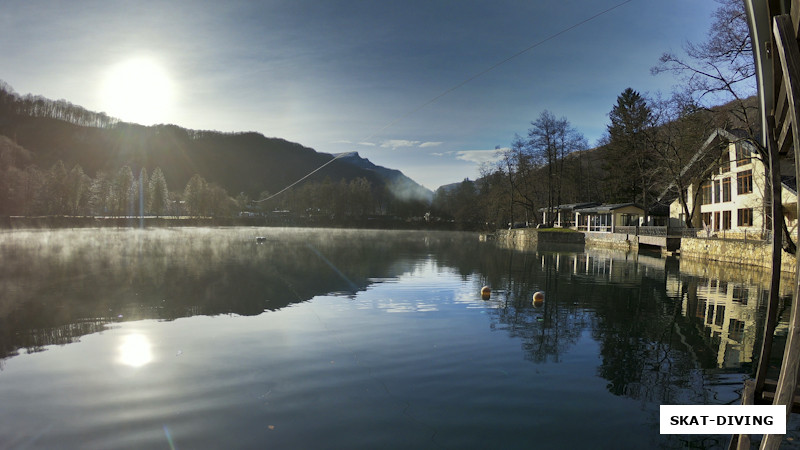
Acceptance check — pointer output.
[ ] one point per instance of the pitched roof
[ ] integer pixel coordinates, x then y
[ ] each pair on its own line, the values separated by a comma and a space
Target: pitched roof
572, 206
607, 208
718, 134
790, 183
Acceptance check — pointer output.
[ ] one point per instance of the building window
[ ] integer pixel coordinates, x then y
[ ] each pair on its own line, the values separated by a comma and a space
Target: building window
768, 216
716, 221
736, 330
706, 217
629, 220
717, 196
745, 217
740, 294
744, 182
725, 165
742, 154
726, 220
726, 189
705, 193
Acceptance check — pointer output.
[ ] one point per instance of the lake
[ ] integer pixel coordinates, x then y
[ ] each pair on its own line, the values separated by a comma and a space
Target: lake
331, 339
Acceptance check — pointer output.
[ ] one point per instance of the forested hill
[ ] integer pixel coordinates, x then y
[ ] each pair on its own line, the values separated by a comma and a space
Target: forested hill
239, 162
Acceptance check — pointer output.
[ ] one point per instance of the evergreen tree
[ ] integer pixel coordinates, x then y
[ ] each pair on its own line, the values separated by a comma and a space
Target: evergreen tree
78, 194
100, 194
630, 167
121, 190
142, 195
195, 196
158, 193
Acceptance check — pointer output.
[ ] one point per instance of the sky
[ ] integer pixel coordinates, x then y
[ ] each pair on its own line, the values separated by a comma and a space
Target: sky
428, 87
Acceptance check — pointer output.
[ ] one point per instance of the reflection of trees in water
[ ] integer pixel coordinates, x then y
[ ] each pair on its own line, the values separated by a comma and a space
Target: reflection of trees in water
548, 331
642, 357
650, 349
58, 285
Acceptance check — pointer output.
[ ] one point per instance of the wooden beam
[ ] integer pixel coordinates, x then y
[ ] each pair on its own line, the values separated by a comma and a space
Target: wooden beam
781, 108
748, 398
785, 137
788, 54
777, 244
769, 399
794, 12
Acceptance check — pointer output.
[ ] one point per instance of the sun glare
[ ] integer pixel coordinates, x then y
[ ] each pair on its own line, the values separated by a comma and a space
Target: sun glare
137, 90
135, 350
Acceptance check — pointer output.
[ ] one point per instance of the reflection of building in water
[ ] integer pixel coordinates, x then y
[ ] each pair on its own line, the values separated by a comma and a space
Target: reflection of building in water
724, 314
719, 318
617, 266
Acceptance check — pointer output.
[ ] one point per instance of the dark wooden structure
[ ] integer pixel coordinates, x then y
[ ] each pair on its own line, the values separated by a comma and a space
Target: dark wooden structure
774, 30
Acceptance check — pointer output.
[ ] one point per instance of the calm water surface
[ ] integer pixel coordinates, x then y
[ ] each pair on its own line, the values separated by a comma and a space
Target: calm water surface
317, 339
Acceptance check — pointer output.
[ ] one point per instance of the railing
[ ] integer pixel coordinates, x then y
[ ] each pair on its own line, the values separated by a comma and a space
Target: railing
645, 231
731, 235
699, 233
594, 228
626, 230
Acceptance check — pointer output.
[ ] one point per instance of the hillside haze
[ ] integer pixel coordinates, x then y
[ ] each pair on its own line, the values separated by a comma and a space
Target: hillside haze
401, 185
245, 162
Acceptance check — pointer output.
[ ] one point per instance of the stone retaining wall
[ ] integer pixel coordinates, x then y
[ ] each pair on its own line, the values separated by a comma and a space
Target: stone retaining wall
609, 240
746, 253
740, 253
530, 238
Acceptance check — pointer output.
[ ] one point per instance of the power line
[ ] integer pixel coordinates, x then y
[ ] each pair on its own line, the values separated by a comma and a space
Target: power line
462, 83
306, 176
496, 65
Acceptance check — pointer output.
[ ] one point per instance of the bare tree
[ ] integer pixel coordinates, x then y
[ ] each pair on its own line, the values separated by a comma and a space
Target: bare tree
551, 139
721, 69
685, 148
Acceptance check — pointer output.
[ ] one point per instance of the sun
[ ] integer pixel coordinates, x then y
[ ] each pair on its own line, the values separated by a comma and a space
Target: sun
135, 351
137, 90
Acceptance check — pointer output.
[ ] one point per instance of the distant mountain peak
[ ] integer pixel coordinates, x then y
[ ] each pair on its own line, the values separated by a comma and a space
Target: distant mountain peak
400, 184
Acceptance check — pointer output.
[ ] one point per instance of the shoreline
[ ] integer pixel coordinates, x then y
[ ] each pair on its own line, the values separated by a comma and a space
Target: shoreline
65, 222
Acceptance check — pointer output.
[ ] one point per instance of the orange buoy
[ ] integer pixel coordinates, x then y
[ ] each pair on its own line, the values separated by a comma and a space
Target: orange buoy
486, 292
538, 298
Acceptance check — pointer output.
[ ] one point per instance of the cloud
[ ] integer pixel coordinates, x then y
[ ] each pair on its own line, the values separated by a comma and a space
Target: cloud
430, 144
367, 144
478, 156
399, 143
406, 143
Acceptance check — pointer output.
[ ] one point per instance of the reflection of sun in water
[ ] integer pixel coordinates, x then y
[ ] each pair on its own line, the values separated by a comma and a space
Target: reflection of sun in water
135, 350
137, 90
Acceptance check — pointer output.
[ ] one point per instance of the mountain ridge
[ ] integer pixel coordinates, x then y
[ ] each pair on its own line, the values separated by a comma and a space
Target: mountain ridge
248, 162
402, 185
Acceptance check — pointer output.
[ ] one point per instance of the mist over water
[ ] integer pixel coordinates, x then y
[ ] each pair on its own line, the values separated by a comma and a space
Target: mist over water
308, 338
